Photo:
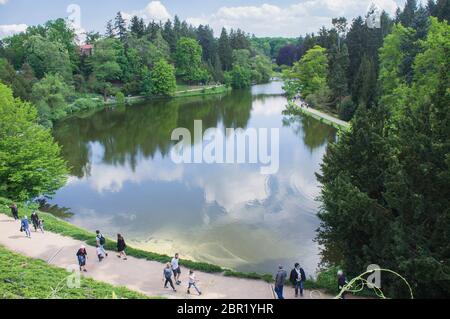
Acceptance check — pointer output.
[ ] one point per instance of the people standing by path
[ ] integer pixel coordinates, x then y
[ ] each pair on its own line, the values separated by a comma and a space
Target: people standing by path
25, 226
297, 278
280, 279
35, 220
82, 257
342, 282
167, 276
121, 245
14, 211
193, 283
101, 241
176, 268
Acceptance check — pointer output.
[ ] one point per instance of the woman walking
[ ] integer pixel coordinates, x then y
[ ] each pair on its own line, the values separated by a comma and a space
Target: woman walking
121, 245
167, 273
82, 256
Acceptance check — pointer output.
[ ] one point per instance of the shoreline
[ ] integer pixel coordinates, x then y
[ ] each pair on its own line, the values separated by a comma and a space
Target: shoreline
319, 115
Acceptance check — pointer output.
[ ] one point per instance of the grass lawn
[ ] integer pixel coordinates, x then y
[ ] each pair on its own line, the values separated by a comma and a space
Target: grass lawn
25, 278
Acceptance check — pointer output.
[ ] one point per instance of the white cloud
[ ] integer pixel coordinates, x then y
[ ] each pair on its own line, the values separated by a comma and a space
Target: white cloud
300, 18
10, 29
3, 2
154, 11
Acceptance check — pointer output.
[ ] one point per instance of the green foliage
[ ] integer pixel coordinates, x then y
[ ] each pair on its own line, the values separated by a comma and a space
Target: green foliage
261, 69
392, 85
162, 79
239, 77
25, 278
309, 75
46, 56
52, 95
20, 82
386, 182
120, 99
85, 104
30, 163
346, 109
189, 61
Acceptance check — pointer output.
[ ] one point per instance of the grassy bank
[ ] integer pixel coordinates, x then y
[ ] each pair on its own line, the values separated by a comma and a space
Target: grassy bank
59, 226
294, 109
202, 91
22, 277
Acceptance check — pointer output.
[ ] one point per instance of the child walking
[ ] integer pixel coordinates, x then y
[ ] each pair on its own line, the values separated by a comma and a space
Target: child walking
192, 283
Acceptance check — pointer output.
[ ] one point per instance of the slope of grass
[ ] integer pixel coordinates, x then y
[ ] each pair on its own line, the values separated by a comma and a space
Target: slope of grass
24, 278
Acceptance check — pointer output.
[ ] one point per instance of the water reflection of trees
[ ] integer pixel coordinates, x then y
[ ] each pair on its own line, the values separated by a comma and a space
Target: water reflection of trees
314, 133
127, 134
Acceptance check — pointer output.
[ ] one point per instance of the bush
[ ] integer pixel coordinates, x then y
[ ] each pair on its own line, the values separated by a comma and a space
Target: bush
120, 98
346, 109
85, 104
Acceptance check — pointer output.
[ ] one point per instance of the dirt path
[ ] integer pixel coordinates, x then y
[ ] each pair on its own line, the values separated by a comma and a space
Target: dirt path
137, 274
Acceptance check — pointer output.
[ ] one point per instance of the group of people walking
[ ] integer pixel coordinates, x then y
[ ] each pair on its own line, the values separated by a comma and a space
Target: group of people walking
297, 276
38, 223
100, 242
173, 268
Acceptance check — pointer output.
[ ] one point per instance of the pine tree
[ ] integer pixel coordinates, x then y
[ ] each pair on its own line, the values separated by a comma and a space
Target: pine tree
225, 51
408, 14
121, 27
337, 77
137, 26
110, 29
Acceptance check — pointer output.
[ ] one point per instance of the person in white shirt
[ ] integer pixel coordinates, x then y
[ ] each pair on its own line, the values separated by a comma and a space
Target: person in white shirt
176, 268
192, 283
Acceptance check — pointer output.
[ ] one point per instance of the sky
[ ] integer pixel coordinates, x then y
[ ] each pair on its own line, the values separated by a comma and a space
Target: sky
287, 18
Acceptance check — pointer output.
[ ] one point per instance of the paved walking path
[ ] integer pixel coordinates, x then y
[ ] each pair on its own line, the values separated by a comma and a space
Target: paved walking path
319, 114
137, 274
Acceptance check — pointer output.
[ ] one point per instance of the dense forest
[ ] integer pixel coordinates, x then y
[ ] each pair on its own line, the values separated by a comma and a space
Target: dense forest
46, 66
385, 182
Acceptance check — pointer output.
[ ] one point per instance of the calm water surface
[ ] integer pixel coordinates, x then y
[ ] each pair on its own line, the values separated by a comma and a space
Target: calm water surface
123, 180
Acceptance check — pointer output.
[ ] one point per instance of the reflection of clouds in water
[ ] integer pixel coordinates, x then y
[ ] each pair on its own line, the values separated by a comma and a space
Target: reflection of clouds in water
232, 187
108, 178
268, 106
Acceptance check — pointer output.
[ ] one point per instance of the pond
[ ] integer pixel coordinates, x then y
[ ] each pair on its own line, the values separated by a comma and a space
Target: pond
124, 180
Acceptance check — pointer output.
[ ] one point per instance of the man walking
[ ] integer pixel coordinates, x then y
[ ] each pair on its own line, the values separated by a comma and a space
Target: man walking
14, 211
176, 268
279, 282
297, 279
101, 241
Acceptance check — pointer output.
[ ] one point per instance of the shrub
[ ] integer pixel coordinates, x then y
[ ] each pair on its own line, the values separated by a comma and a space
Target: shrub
346, 109
120, 98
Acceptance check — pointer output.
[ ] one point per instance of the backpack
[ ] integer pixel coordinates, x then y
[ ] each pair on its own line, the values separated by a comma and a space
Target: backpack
102, 240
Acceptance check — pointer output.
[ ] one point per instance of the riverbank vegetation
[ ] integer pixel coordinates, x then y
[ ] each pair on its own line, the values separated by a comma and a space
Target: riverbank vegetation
45, 65
386, 181
27, 278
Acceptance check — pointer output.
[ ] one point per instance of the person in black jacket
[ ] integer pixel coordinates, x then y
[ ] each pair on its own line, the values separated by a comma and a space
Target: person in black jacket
35, 220
14, 211
121, 247
297, 278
